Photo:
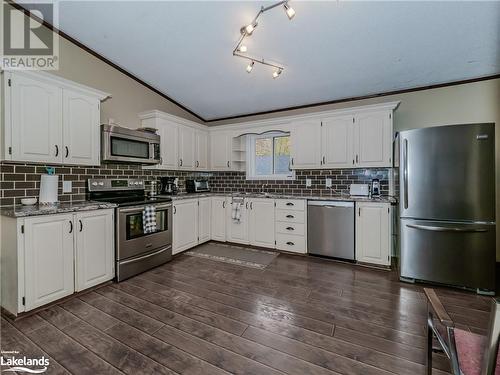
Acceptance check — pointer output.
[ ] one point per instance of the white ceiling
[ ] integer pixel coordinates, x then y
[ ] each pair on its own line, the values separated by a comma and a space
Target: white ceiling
331, 49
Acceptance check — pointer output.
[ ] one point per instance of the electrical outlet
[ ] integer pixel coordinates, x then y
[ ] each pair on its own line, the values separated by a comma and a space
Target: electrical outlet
308, 182
328, 182
67, 186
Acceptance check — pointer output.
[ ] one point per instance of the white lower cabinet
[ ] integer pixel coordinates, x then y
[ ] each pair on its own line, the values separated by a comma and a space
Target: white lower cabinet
261, 222
237, 230
218, 219
373, 233
49, 259
185, 225
192, 220
291, 224
45, 258
204, 216
94, 249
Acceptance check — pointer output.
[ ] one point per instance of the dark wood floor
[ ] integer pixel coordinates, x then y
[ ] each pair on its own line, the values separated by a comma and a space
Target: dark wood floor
301, 315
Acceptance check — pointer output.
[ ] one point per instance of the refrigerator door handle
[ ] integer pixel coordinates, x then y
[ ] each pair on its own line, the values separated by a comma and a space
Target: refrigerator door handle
445, 229
405, 172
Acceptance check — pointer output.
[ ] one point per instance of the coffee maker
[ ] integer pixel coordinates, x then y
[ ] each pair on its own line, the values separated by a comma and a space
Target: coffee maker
375, 188
168, 185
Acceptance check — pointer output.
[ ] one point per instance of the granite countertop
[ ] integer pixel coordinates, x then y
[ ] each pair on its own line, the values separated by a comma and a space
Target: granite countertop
346, 198
36, 210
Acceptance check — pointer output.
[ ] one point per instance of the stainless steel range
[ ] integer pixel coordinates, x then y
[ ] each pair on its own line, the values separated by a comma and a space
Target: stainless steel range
137, 246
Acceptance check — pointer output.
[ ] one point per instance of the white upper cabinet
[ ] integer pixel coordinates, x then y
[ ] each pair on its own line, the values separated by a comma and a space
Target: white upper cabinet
337, 142
373, 139
50, 120
48, 259
95, 248
81, 130
373, 233
220, 151
169, 144
35, 120
186, 148
306, 144
201, 150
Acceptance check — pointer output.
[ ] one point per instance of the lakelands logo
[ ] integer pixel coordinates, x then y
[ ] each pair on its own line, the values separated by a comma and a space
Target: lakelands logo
23, 364
26, 43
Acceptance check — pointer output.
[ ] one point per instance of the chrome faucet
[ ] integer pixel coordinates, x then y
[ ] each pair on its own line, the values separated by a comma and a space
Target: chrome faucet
262, 188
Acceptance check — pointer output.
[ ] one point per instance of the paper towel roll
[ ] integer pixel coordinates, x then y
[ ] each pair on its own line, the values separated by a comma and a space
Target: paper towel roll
48, 189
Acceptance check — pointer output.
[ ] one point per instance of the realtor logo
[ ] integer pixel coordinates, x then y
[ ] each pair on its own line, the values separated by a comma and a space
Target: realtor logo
26, 43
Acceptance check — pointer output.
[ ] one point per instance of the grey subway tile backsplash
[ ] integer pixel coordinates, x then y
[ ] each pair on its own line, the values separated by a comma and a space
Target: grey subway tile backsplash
19, 180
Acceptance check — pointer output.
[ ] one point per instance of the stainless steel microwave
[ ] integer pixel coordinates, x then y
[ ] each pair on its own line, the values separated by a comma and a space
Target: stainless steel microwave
119, 144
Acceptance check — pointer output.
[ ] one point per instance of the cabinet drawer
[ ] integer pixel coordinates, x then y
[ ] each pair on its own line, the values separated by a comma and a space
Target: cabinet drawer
291, 204
290, 216
290, 228
290, 242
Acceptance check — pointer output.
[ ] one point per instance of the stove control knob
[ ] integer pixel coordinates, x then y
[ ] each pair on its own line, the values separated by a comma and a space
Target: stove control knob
94, 183
136, 183
101, 183
140, 182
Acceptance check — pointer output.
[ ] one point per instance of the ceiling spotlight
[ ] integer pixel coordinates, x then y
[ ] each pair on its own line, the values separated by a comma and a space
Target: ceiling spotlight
250, 67
276, 73
290, 12
248, 29
242, 48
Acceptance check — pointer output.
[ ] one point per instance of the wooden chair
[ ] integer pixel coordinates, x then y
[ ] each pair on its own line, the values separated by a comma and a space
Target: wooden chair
469, 353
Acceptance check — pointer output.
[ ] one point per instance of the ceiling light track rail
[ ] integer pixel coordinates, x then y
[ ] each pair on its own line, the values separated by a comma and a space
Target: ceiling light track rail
247, 30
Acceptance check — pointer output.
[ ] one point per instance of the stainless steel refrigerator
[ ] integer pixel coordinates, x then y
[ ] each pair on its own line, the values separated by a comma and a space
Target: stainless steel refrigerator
447, 205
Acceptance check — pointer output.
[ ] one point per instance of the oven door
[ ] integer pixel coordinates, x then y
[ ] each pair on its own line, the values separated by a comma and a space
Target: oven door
118, 147
131, 239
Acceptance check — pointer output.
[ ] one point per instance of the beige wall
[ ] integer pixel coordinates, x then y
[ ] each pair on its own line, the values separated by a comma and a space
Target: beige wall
460, 104
128, 97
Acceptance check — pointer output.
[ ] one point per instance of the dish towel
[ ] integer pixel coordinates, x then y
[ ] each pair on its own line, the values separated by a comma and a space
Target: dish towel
149, 219
236, 210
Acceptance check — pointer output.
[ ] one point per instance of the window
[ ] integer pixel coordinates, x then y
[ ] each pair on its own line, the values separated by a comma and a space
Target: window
269, 157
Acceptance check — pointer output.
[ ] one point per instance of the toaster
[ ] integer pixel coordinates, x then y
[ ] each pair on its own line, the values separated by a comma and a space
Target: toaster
359, 190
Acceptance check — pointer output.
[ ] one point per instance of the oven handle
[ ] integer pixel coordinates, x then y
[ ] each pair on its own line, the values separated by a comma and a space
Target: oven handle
146, 256
140, 209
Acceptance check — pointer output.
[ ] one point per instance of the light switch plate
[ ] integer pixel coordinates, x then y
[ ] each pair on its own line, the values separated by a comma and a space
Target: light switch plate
67, 187
308, 182
328, 182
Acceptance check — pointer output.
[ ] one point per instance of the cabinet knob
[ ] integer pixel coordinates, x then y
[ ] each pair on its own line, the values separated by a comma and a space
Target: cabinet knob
67, 151
290, 216
290, 228
57, 150
289, 243
70, 226
290, 204
81, 225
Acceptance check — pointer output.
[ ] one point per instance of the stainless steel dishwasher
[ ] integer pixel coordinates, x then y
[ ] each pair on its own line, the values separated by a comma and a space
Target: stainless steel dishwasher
330, 229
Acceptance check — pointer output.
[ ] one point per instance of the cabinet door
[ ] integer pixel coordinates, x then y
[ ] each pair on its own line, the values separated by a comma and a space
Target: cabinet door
201, 150
261, 222
218, 220
49, 259
80, 129
373, 233
36, 120
169, 146
237, 230
185, 225
306, 145
186, 147
95, 250
337, 142
204, 216
220, 151
373, 139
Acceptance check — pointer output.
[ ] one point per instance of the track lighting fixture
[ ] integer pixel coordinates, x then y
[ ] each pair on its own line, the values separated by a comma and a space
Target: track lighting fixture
290, 12
250, 28
250, 66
